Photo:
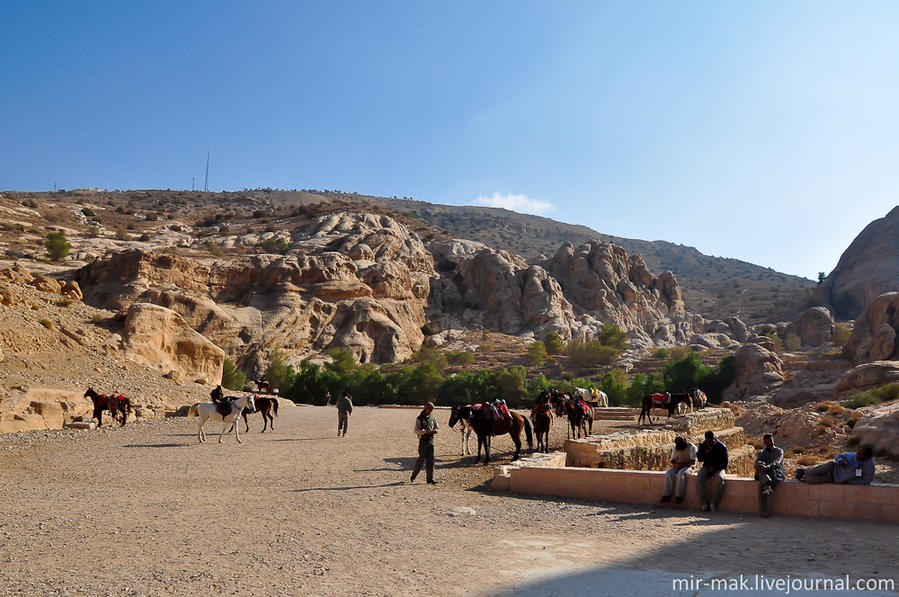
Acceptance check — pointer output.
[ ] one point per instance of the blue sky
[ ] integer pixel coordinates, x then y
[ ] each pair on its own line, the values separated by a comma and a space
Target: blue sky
763, 131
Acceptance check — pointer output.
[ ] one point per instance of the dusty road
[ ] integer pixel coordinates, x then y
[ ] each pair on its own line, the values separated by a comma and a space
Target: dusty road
145, 510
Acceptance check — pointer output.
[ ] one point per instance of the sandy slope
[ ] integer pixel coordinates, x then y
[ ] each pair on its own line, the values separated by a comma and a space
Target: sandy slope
144, 510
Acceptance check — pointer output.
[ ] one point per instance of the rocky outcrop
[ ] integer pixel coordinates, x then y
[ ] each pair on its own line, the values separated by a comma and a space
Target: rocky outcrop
813, 326
867, 269
758, 370
45, 284
879, 428
874, 333
315, 298
865, 377
28, 409
572, 294
159, 337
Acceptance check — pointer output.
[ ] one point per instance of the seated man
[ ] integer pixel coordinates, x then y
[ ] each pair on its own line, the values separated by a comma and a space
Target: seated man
769, 470
683, 456
713, 456
849, 468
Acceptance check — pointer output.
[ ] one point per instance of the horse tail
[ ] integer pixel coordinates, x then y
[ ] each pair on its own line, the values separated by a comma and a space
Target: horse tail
192, 411
527, 433
275, 403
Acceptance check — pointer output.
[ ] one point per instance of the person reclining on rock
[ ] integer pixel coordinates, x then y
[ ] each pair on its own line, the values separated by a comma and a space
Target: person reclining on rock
683, 456
848, 468
769, 471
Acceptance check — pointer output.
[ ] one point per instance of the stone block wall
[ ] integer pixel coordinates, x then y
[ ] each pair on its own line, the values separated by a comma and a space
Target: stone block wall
874, 502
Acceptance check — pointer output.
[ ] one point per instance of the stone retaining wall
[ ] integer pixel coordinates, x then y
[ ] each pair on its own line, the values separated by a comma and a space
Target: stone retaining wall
874, 502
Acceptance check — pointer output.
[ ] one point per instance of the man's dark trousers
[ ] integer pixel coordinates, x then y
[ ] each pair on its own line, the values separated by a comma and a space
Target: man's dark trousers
426, 457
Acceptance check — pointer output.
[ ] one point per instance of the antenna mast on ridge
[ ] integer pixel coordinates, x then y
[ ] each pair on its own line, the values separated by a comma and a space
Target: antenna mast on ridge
206, 184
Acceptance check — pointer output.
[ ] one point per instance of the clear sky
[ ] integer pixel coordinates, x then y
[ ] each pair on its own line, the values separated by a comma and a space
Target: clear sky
764, 131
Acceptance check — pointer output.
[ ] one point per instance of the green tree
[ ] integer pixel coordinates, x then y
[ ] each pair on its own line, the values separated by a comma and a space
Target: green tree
278, 372
614, 384
431, 355
553, 343
511, 385
343, 362
536, 353
462, 358
684, 375
590, 354
57, 246
641, 386
232, 377
612, 335
277, 245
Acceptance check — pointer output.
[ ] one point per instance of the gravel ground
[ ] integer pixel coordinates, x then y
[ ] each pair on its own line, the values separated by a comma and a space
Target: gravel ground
145, 510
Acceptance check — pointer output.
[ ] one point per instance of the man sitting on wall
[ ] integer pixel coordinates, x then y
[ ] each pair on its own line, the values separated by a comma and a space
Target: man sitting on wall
683, 456
713, 456
849, 468
769, 471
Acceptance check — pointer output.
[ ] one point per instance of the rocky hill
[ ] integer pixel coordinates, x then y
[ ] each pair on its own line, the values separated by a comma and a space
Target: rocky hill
867, 269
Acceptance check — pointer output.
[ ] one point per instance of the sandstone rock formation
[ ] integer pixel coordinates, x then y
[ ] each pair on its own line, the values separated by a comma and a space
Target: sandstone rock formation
874, 333
303, 303
813, 326
867, 269
879, 428
865, 377
758, 370
572, 294
45, 284
159, 337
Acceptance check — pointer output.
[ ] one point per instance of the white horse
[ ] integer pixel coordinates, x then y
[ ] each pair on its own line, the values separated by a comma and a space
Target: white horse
600, 397
209, 410
684, 407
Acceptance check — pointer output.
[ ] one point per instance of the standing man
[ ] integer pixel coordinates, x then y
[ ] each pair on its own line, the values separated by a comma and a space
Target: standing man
713, 456
328, 399
769, 471
344, 410
683, 456
425, 429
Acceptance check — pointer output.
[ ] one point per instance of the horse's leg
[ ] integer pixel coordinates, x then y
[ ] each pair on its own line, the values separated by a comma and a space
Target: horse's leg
225, 426
237, 431
516, 438
487, 449
201, 437
98, 414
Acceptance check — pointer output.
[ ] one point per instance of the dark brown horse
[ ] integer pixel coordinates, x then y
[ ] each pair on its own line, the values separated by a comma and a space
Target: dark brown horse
113, 403
266, 406
543, 422
651, 401
578, 419
265, 387
485, 428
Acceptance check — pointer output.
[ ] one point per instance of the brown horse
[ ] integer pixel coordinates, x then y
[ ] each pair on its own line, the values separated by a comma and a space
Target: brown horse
651, 401
265, 387
485, 428
266, 406
543, 422
110, 402
578, 420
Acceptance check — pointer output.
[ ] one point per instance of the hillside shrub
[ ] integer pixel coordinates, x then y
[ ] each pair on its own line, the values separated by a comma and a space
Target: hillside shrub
57, 246
279, 373
792, 343
277, 246
840, 335
553, 343
873, 396
232, 377
536, 353
592, 353
461, 358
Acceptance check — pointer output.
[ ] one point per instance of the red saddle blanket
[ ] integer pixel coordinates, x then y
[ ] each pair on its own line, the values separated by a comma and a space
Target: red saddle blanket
661, 399
585, 408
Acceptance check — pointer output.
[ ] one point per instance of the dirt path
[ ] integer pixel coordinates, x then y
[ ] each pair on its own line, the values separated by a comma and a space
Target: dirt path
144, 510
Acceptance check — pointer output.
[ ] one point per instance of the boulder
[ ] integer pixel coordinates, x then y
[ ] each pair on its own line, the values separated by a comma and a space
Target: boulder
758, 370
72, 290
879, 428
159, 337
45, 284
6, 297
17, 274
866, 376
813, 326
874, 333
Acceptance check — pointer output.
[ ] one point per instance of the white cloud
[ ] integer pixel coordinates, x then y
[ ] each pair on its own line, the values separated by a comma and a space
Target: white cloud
519, 203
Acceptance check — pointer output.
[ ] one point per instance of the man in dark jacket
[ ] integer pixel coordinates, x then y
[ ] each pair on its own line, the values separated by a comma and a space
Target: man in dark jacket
713, 456
425, 429
344, 409
769, 471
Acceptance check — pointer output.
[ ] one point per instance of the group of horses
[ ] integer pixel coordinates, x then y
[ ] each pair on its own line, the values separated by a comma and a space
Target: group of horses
578, 407
227, 409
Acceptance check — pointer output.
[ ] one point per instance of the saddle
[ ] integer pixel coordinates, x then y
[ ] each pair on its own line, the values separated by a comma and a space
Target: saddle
223, 405
663, 399
585, 408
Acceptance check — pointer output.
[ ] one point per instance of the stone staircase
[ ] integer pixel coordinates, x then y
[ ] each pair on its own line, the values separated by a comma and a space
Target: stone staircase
650, 449
615, 413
